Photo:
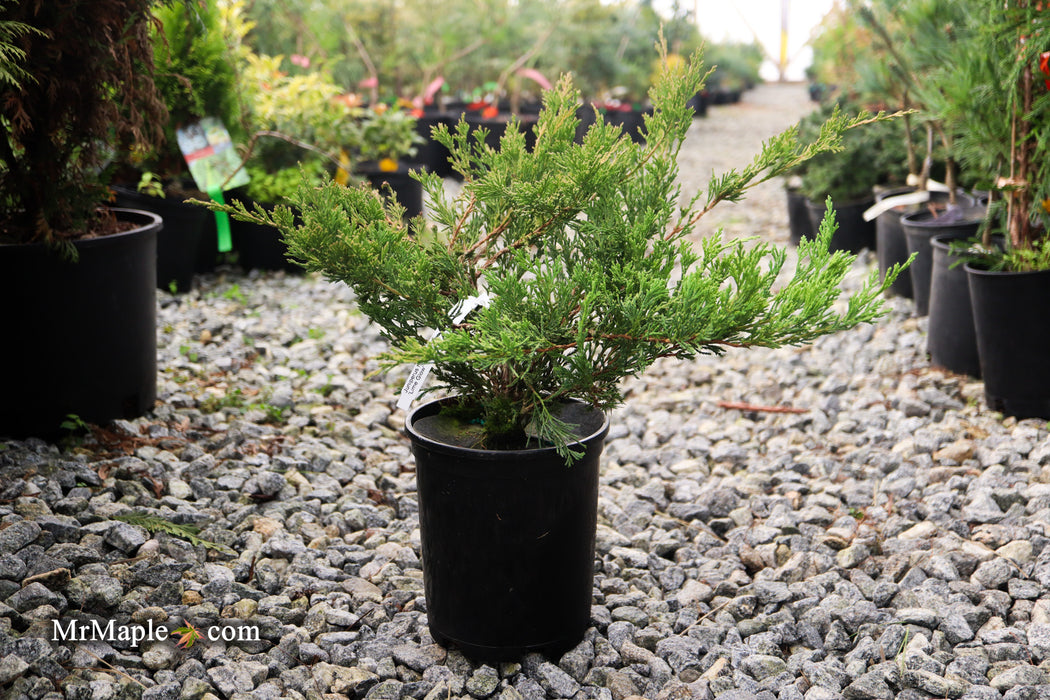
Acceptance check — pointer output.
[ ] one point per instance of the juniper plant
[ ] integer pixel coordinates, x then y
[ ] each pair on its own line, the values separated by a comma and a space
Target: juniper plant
583, 250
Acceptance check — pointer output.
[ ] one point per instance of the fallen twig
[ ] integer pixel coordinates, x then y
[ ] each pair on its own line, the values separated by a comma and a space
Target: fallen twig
744, 406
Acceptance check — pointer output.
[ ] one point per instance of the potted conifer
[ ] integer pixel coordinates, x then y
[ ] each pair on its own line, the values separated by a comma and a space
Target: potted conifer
1002, 101
553, 274
77, 277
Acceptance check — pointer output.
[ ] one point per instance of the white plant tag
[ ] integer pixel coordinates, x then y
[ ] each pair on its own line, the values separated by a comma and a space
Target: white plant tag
895, 201
417, 378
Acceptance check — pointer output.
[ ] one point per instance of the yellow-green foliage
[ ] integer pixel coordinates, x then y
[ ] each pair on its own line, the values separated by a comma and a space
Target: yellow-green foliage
584, 250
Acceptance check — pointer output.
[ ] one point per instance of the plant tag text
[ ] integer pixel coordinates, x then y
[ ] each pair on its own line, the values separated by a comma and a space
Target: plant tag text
417, 378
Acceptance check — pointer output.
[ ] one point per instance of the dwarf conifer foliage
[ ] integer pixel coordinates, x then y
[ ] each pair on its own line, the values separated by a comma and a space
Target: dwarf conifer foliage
582, 248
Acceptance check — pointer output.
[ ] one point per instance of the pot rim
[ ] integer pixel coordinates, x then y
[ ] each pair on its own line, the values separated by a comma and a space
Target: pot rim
981, 272
924, 219
480, 454
153, 220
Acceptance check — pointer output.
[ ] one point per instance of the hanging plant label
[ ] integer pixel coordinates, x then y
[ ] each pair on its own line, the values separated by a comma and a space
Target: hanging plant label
896, 201
417, 378
215, 166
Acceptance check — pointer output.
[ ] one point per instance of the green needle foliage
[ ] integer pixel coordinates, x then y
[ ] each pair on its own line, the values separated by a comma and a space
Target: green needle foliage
583, 249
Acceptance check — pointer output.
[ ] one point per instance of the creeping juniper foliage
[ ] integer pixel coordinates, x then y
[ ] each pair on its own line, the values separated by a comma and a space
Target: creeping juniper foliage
582, 247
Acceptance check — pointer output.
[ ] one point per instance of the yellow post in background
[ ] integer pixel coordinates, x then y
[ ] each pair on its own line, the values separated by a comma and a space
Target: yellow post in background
784, 11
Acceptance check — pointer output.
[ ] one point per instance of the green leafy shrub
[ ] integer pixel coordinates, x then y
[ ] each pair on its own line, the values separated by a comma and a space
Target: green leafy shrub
583, 253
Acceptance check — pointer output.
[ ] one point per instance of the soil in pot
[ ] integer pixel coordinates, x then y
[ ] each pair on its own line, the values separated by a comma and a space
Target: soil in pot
507, 539
854, 234
951, 340
1012, 325
919, 228
87, 336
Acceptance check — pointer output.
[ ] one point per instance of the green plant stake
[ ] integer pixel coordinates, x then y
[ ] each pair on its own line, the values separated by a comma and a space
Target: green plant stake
222, 222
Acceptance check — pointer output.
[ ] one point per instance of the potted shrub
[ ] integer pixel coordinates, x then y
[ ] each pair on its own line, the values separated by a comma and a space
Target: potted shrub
77, 277
1002, 101
549, 277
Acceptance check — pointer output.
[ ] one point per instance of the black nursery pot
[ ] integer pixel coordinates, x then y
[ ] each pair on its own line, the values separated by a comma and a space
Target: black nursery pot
800, 224
919, 228
259, 247
1012, 324
507, 543
951, 340
432, 154
409, 192
854, 234
891, 246
82, 336
497, 126
179, 243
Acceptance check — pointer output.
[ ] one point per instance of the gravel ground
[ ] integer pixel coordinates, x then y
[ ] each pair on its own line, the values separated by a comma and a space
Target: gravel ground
888, 541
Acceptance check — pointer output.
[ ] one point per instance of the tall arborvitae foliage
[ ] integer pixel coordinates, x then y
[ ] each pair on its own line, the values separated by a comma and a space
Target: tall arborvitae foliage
1000, 102
583, 249
84, 87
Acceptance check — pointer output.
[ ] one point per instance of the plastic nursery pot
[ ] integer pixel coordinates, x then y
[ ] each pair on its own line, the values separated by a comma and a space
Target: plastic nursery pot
854, 234
800, 224
919, 228
432, 154
407, 191
259, 247
507, 540
86, 331
890, 242
951, 340
497, 126
180, 240
1012, 326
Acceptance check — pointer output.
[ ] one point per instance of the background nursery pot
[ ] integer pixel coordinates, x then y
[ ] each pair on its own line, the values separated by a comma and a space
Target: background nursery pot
507, 541
854, 233
919, 228
1013, 334
87, 341
950, 337
185, 226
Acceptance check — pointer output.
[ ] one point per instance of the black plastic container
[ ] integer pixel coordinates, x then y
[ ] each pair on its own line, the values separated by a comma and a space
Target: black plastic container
800, 223
507, 543
497, 126
407, 191
179, 243
259, 247
80, 337
1012, 324
890, 244
854, 234
951, 340
919, 228
432, 154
